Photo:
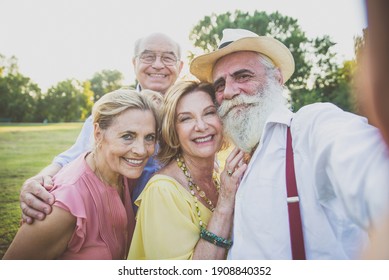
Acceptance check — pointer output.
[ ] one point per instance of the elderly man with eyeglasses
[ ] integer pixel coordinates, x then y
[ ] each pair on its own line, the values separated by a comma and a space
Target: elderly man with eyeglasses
157, 65
157, 62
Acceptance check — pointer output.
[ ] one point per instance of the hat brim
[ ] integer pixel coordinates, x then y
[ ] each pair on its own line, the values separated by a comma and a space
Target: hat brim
202, 66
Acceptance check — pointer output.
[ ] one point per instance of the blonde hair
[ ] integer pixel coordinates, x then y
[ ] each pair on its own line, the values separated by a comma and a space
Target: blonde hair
112, 104
169, 143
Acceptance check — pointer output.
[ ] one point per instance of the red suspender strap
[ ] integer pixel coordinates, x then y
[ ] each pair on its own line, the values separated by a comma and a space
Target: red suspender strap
295, 227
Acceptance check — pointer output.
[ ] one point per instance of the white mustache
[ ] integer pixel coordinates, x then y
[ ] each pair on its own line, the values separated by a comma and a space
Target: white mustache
240, 100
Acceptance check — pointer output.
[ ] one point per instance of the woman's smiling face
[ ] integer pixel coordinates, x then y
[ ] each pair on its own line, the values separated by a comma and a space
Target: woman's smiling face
198, 125
128, 143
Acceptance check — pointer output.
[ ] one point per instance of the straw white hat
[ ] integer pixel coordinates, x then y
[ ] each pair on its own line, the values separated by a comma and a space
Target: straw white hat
235, 40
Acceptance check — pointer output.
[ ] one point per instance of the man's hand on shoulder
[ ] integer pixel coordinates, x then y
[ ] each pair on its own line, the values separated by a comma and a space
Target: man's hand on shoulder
35, 199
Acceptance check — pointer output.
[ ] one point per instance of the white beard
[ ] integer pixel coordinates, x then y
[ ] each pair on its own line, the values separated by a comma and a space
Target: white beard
244, 124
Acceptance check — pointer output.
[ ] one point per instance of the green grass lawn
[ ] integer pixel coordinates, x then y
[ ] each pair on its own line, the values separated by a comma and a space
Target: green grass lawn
24, 150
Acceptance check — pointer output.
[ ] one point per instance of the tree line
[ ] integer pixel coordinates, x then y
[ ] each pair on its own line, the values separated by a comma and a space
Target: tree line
21, 100
319, 76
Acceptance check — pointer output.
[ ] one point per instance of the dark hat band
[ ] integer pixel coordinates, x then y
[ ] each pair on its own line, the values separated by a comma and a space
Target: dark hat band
225, 44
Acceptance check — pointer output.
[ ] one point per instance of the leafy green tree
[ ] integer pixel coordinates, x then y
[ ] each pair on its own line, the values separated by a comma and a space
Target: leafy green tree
331, 82
359, 45
8, 65
105, 81
86, 100
315, 77
67, 101
41, 109
63, 101
18, 94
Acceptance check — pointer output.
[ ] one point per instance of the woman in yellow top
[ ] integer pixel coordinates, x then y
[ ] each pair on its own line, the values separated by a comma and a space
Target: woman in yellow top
185, 212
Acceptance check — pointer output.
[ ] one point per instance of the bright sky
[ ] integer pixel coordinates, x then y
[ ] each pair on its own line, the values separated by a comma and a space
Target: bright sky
56, 40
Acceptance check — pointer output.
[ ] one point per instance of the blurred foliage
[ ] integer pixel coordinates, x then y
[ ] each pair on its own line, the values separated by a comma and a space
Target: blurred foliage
18, 94
105, 81
63, 102
21, 100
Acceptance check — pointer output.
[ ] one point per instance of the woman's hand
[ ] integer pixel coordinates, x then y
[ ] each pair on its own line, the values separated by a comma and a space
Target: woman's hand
234, 169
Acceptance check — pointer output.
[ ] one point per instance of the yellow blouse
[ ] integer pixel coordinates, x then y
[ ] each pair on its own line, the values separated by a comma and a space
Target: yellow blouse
167, 225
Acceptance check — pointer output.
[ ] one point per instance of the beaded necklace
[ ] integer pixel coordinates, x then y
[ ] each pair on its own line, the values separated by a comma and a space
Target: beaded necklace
192, 186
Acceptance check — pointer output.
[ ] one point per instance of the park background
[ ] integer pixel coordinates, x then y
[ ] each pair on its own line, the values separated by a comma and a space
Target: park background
58, 57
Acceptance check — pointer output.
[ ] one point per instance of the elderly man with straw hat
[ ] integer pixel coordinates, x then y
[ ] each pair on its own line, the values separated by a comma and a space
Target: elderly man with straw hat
316, 179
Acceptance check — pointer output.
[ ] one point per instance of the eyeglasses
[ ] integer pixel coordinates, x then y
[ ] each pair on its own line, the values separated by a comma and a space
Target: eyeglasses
168, 59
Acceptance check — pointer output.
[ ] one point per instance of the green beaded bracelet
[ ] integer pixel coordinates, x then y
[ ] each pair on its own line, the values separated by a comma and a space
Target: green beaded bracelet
214, 239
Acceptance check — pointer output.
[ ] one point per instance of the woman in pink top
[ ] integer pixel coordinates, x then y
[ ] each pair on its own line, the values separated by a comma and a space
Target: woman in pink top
93, 216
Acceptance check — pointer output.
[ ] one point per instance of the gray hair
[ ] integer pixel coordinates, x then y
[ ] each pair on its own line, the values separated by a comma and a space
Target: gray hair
267, 63
139, 41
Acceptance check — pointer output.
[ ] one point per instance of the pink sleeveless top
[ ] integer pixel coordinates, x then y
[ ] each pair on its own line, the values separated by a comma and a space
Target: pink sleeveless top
104, 225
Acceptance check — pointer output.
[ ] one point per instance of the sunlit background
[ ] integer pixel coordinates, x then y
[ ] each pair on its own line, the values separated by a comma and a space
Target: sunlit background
58, 40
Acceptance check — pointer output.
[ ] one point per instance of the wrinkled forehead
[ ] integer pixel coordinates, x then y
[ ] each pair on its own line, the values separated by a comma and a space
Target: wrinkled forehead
159, 45
234, 62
